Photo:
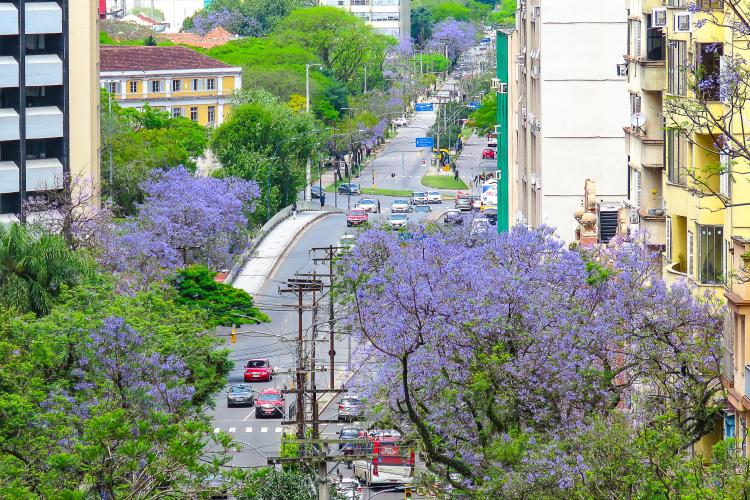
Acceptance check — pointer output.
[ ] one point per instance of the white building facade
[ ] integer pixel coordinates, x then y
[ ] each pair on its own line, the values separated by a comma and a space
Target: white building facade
571, 105
389, 17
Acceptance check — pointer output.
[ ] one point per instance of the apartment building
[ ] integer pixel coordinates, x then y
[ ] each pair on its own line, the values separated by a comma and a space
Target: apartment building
176, 79
568, 109
49, 125
389, 17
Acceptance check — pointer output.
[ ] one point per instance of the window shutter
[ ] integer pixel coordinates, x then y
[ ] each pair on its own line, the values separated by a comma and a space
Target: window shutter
724, 176
690, 252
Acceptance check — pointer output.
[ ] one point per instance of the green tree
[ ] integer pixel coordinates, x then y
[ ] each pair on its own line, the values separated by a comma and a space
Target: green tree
421, 25
485, 118
223, 304
35, 267
269, 484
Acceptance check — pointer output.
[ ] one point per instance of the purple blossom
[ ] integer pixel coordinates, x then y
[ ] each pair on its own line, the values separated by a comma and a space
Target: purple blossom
457, 36
232, 20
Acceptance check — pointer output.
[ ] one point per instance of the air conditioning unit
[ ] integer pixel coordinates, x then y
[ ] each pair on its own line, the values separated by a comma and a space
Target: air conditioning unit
502, 88
622, 69
656, 212
633, 216
683, 23
536, 12
659, 18
538, 183
520, 59
495, 84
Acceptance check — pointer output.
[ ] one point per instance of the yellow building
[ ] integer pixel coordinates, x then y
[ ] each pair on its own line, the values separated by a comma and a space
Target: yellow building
49, 124
176, 79
705, 182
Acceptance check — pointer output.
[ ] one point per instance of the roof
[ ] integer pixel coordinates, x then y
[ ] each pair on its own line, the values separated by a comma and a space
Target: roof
145, 58
214, 38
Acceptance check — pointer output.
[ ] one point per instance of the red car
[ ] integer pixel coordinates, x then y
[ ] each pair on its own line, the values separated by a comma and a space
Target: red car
269, 403
258, 370
355, 217
488, 154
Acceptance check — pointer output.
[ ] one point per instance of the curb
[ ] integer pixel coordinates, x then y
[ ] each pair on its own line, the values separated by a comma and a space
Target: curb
294, 240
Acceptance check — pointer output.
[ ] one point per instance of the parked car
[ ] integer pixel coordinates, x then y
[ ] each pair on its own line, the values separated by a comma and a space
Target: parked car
351, 408
368, 205
488, 154
348, 488
270, 402
316, 191
492, 140
240, 395
349, 188
453, 216
352, 434
398, 221
399, 206
480, 225
401, 121
434, 197
491, 215
418, 197
258, 370
463, 204
355, 217
422, 209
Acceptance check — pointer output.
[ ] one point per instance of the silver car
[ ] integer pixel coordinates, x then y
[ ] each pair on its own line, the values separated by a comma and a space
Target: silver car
240, 395
434, 197
398, 221
399, 206
351, 408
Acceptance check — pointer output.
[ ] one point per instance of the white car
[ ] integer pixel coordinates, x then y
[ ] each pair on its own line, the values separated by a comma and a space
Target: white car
368, 205
347, 241
398, 221
418, 197
480, 225
401, 121
434, 197
399, 206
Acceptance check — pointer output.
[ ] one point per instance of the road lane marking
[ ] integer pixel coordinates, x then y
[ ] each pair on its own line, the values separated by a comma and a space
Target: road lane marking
248, 429
216, 431
264, 429
232, 429
247, 417
278, 429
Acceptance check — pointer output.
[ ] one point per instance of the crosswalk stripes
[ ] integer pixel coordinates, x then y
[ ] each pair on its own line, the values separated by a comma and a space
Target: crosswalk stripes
249, 430
264, 429
277, 429
232, 429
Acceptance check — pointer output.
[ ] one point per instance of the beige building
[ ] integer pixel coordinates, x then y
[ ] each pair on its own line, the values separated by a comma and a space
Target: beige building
49, 124
176, 79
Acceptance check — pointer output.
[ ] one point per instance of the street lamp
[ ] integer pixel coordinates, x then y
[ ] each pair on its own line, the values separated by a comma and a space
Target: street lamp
308, 167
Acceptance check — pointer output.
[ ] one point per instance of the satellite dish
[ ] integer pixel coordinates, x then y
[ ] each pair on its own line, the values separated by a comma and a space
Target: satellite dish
638, 120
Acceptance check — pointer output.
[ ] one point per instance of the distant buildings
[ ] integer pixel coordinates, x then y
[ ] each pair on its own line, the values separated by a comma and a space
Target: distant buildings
175, 79
175, 11
49, 98
389, 17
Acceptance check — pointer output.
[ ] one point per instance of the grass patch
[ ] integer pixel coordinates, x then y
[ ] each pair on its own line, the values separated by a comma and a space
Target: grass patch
443, 182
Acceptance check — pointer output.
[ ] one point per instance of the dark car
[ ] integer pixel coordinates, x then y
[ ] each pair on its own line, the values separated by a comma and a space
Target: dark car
240, 395
349, 188
351, 408
453, 217
316, 191
422, 208
491, 214
352, 434
270, 403
463, 204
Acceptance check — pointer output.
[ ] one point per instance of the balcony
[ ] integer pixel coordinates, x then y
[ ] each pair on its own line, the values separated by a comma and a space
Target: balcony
44, 122
43, 175
43, 70
43, 17
8, 19
654, 225
652, 75
9, 125
8, 177
643, 150
8, 72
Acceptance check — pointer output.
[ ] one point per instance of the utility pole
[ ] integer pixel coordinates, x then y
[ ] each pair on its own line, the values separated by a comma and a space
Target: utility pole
308, 166
330, 253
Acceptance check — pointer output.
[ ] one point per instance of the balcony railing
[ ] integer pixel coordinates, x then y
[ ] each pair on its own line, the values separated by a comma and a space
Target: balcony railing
8, 177
44, 122
9, 125
43, 70
43, 17
8, 72
42, 175
8, 19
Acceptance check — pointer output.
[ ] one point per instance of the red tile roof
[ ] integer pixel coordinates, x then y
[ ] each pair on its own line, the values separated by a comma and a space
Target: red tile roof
144, 58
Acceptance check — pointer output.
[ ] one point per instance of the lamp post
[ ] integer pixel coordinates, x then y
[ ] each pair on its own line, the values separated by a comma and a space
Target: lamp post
308, 167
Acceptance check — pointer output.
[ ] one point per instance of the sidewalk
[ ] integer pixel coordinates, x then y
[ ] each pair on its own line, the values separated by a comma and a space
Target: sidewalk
268, 253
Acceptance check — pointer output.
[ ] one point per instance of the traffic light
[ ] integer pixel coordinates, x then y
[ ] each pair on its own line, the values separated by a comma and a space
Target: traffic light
233, 336
407, 493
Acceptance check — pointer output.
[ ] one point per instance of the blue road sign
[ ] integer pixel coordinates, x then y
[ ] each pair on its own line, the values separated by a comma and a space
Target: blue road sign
425, 142
423, 106
475, 105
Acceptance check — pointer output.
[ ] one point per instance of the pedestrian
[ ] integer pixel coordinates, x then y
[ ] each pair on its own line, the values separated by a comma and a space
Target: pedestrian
378, 205
455, 174
294, 210
322, 200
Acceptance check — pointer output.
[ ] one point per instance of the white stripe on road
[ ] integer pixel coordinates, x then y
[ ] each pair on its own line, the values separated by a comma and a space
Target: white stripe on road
278, 429
248, 429
264, 429
232, 429
247, 417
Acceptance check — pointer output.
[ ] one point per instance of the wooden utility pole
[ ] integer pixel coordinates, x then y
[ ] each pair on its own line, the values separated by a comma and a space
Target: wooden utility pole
330, 253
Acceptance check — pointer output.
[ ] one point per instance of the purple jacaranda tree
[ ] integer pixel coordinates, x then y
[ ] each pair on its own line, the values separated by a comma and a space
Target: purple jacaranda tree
183, 220
486, 350
451, 37
233, 21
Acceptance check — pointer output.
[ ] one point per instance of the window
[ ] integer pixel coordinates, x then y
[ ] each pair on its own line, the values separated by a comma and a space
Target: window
678, 3
211, 84
728, 426
360, 2
636, 187
654, 41
710, 4
668, 239
176, 85
635, 104
708, 69
676, 157
211, 114
35, 43
384, 16
690, 253
113, 87
176, 112
725, 182
197, 84
637, 38
711, 254
194, 113
156, 86
676, 68
133, 87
